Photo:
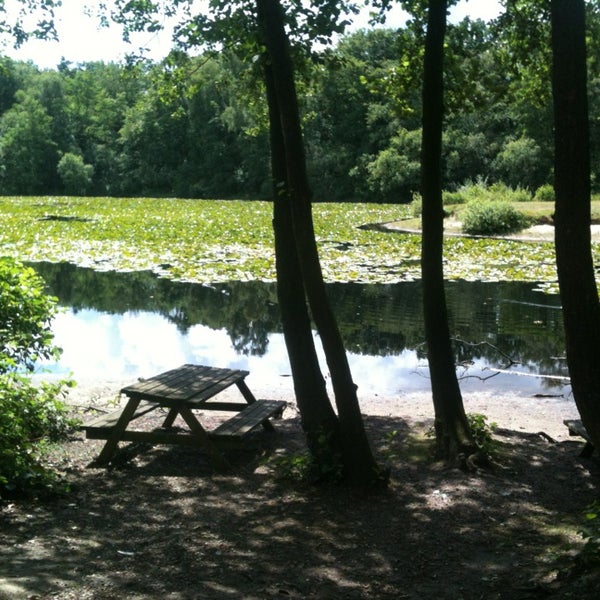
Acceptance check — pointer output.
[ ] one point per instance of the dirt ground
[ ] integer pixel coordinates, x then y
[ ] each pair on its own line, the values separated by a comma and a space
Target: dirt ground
164, 525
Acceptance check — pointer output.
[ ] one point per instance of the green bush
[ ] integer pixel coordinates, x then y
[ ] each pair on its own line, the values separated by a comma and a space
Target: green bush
492, 218
482, 192
31, 415
545, 193
521, 162
449, 198
501, 192
75, 174
416, 206
471, 191
590, 532
482, 432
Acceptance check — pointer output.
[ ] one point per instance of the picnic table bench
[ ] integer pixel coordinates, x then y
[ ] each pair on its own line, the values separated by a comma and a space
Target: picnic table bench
181, 391
576, 428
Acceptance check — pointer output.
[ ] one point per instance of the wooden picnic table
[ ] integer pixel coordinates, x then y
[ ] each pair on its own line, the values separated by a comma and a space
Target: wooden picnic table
577, 428
181, 391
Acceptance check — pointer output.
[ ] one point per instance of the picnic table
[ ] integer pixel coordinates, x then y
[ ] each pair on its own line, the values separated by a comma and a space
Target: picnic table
577, 428
181, 391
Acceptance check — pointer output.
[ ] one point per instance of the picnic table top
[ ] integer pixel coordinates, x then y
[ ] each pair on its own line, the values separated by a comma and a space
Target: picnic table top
188, 384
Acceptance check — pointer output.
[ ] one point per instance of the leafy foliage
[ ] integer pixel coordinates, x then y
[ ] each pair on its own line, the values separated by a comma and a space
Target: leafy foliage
304, 466
210, 241
520, 162
25, 315
492, 218
482, 432
194, 126
545, 193
591, 534
480, 191
75, 174
30, 415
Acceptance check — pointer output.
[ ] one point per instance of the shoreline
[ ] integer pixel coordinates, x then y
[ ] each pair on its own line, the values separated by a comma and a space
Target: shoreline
508, 409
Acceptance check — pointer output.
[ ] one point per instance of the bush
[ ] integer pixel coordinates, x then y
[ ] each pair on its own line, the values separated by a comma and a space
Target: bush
590, 532
449, 198
492, 218
502, 192
31, 415
482, 432
521, 163
545, 193
416, 206
482, 192
75, 174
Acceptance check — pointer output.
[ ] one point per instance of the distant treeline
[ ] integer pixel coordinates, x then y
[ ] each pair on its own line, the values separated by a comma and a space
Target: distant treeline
197, 127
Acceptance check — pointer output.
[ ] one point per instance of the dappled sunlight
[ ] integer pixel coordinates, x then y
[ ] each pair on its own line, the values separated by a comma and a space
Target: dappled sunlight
166, 521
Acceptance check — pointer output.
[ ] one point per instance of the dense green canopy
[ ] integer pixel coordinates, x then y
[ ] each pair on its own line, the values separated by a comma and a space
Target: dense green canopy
197, 127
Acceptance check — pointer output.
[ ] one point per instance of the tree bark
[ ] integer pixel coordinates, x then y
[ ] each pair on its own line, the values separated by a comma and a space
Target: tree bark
453, 436
319, 421
572, 220
359, 465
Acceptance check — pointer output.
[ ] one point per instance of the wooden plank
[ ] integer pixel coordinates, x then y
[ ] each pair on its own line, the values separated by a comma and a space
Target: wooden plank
108, 421
224, 406
188, 383
254, 415
114, 433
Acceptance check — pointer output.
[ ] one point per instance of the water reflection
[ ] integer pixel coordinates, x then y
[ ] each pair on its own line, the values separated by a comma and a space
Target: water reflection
134, 324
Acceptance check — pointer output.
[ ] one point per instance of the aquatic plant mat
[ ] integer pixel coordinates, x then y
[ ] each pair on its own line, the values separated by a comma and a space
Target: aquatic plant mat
209, 241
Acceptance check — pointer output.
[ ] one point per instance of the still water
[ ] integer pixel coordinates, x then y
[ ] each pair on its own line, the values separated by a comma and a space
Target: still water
129, 325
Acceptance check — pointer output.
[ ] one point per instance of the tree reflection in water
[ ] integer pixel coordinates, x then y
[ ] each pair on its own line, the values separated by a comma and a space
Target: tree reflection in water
377, 321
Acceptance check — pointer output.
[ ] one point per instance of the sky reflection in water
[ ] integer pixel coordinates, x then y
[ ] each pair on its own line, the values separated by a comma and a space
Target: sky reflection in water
121, 326
140, 344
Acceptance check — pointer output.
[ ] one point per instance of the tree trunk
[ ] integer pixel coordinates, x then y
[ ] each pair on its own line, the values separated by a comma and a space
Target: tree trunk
453, 436
319, 421
359, 465
575, 267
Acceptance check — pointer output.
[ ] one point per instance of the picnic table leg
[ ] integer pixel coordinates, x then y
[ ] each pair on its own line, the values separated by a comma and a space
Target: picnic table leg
587, 450
112, 441
197, 430
250, 399
170, 419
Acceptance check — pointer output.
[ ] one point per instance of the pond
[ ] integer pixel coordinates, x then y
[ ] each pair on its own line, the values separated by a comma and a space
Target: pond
126, 325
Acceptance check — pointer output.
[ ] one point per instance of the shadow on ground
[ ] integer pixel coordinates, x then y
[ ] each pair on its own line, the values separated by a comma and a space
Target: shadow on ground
164, 525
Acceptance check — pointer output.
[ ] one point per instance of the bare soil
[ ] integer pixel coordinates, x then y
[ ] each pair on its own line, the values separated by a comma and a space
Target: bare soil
163, 524
541, 232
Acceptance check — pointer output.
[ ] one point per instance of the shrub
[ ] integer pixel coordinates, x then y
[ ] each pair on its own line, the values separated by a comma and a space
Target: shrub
449, 198
482, 432
492, 218
75, 174
590, 532
482, 192
30, 415
521, 163
25, 316
501, 192
416, 206
545, 193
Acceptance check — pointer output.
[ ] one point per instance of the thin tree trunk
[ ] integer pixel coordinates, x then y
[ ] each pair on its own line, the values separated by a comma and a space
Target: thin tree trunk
575, 267
453, 435
319, 421
359, 465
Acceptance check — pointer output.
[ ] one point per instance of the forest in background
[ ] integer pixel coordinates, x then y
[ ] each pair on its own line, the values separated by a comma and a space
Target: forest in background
197, 127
